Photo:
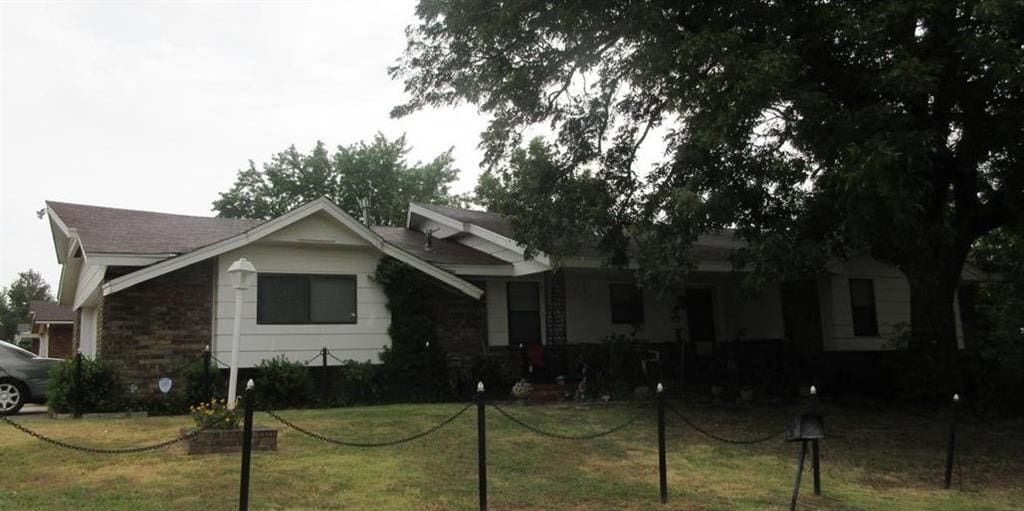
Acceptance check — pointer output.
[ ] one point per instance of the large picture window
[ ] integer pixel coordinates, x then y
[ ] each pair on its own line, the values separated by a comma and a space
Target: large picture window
862, 306
627, 304
288, 299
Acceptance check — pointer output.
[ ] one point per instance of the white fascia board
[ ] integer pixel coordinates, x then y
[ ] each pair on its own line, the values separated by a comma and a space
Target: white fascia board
68, 286
477, 231
55, 322
105, 259
432, 270
59, 232
479, 270
435, 216
271, 226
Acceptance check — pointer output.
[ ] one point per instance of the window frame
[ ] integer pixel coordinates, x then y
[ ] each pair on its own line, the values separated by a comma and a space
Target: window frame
308, 277
611, 303
874, 330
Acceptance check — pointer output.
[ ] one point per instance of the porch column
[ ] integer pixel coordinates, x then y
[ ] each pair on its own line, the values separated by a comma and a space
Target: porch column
554, 307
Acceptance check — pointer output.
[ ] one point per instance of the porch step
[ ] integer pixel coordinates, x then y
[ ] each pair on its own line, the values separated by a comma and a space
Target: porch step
545, 393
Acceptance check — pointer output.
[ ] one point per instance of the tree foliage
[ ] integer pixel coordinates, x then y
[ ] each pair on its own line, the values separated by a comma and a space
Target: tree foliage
814, 128
14, 301
377, 170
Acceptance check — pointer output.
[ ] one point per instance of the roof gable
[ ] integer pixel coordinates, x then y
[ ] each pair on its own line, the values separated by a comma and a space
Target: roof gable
323, 207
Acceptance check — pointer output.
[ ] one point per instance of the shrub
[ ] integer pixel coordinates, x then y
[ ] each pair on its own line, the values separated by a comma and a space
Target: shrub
101, 391
282, 384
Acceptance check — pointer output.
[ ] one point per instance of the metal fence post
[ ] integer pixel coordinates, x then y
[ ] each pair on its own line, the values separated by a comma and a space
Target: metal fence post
78, 384
323, 374
481, 447
951, 444
207, 356
662, 469
243, 495
815, 460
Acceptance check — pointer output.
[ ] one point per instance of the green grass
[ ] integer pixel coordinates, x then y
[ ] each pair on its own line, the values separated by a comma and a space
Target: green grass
872, 460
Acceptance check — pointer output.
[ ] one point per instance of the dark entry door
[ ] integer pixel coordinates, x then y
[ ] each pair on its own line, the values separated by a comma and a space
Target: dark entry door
523, 313
801, 317
700, 314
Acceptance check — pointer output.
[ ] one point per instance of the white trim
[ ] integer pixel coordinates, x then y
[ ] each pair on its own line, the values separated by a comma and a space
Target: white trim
44, 322
276, 224
476, 230
482, 270
125, 259
88, 285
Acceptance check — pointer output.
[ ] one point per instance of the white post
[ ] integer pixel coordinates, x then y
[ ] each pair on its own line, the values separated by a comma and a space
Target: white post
241, 271
235, 335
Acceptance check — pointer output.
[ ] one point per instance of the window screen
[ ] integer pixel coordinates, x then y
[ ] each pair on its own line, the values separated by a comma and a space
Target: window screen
300, 299
862, 307
627, 304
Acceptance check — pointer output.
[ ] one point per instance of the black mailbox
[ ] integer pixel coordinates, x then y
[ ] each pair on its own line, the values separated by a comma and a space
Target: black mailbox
806, 427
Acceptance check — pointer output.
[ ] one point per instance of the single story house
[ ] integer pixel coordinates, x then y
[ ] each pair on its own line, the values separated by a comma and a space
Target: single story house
50, 329
150, 290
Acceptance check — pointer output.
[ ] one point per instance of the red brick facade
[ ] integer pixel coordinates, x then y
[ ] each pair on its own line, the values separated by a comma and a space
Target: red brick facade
153, 329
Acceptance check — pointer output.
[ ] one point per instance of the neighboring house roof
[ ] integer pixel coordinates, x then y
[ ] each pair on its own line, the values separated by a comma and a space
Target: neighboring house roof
442, 251
491, 221
127, 231
50, 312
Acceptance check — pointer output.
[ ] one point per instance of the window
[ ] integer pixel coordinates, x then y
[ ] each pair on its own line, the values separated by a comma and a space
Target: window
627, 304
862, 305
523, 313
305, 299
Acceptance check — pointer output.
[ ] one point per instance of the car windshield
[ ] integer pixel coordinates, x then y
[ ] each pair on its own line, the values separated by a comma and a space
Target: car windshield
16, 351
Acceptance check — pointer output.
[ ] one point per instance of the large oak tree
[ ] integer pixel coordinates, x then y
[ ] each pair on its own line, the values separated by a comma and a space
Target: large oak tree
816, 129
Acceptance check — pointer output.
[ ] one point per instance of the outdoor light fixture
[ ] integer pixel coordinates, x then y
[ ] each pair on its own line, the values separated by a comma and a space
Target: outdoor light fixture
241, 273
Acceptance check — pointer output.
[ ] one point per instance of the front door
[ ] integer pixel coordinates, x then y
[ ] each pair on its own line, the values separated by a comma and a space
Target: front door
801, 318
700, 314
523, 313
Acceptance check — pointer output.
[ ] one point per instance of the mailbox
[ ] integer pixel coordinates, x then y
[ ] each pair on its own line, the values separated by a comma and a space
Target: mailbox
806, 427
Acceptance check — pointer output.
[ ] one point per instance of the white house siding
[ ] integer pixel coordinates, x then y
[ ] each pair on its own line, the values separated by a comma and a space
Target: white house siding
588, 309
892, 305
737, 316
361, 341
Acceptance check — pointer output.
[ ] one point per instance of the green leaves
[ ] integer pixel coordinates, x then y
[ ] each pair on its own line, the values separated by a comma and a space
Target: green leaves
14, 301
377, 170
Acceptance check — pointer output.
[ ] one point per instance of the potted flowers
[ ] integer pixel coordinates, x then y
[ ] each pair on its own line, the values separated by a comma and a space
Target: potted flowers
218, 429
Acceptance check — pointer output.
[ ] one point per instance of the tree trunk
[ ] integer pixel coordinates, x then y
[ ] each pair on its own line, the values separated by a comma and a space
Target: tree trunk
933, 322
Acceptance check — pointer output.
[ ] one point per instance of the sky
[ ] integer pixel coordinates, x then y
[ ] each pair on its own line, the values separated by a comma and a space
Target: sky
156, 105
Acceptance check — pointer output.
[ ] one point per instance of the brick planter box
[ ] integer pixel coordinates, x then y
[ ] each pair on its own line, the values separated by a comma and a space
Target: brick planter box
214, 441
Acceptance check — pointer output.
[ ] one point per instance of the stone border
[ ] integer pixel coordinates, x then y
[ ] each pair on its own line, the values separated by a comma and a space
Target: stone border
100, 415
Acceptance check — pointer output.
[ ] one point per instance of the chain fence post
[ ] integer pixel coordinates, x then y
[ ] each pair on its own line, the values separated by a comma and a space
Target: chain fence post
243, 495
951, 444
207, 356
481, 447
799, 473
323, 375
662, 468
78, 384
815, 460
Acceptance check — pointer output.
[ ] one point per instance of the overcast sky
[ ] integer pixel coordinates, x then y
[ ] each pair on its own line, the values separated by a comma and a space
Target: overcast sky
155, 106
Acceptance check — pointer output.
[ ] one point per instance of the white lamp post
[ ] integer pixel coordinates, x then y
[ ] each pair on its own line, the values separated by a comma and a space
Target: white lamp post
241, 273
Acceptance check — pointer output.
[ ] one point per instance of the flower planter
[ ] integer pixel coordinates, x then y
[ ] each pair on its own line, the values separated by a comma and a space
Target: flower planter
215, 441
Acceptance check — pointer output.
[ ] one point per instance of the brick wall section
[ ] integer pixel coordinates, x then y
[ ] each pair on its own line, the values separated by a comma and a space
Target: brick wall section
554, 307
461, 324
154, 328
61, 345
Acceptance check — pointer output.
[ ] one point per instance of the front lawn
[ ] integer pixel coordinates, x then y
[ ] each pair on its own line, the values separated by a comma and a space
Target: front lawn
872, 460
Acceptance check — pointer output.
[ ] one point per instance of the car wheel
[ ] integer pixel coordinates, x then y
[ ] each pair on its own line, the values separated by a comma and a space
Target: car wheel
12, 396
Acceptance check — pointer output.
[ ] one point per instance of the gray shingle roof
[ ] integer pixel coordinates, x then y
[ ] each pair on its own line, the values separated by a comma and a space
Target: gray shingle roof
443, 251
45, 312
127, 231
491, 221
